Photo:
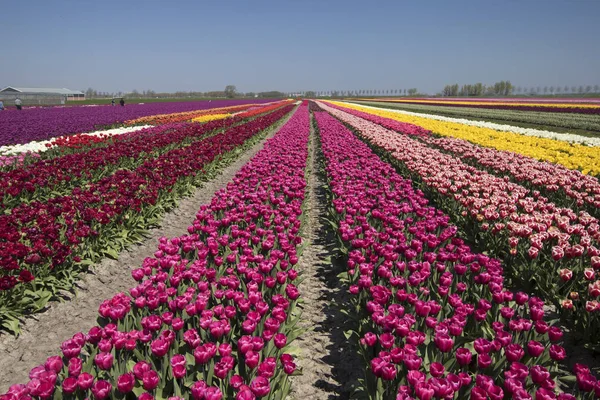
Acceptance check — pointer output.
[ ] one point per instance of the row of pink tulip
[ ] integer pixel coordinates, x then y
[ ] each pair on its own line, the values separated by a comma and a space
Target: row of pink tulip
547, 249
17, 160
214, 309
566, 187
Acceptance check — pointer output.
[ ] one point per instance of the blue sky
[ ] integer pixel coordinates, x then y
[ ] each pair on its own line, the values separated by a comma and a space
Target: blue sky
297, 45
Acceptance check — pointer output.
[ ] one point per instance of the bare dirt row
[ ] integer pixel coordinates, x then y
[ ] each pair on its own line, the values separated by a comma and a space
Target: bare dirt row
329, 364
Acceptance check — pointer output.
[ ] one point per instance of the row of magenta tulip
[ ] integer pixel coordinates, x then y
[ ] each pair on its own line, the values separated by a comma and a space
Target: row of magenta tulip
44, 244
434, 317
550, 250
214, 309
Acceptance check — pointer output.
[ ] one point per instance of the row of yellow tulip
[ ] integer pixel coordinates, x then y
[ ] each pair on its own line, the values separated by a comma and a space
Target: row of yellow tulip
187, 115
210, 117
573, 156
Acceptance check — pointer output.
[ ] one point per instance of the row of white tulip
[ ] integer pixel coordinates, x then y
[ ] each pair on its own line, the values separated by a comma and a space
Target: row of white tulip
39, 147
567, 137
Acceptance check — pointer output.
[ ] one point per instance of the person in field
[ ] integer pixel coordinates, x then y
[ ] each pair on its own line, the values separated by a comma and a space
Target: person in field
122, 102
112, 102
18, 103
1, 105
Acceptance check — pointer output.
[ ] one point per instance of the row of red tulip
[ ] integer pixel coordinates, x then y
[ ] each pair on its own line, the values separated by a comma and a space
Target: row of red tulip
254, 111
60, 174
162, 119
57, 174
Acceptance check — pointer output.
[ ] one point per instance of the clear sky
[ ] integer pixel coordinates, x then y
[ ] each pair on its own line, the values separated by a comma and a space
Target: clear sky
286, 45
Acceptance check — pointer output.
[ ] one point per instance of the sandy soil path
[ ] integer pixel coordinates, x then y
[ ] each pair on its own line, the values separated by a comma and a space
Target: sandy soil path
329, 363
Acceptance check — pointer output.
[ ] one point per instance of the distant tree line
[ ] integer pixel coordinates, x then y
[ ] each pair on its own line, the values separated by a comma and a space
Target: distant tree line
502, 88
271, 94
230, 92
354, 93
505, 88
581, 89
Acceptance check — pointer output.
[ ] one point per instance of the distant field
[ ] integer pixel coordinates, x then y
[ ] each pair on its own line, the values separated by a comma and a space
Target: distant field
34, 124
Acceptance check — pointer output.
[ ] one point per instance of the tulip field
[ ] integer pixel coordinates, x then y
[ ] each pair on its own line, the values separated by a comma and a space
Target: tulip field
553, 106
465, 254
566, 121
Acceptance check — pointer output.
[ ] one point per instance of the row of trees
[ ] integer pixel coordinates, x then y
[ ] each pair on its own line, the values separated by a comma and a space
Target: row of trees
502, 88
558, 89
230, 92
348, 93
145, 94
505, 88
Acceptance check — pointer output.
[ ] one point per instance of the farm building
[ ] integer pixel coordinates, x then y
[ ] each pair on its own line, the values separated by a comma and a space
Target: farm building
32, 96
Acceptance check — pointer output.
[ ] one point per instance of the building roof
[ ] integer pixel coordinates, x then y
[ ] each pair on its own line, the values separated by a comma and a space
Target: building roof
64, 91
